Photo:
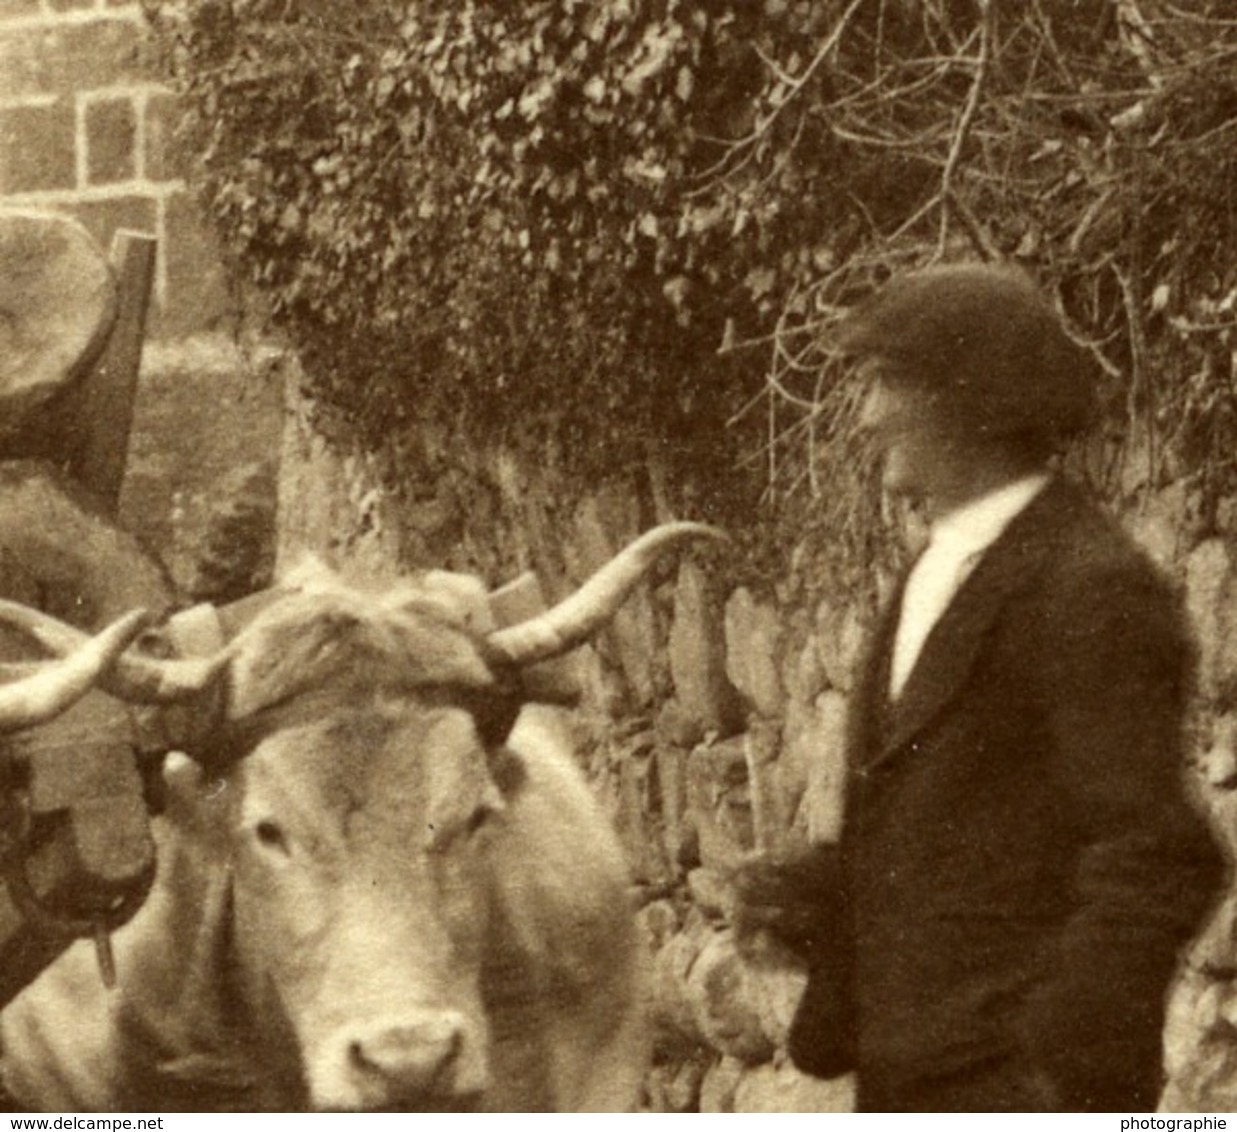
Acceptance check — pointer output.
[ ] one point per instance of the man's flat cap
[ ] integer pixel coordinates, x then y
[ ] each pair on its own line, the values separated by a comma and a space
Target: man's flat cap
986, 338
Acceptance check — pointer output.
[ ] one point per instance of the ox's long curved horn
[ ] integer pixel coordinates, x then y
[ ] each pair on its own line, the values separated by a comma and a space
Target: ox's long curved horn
577, 617
132, 677
57, 685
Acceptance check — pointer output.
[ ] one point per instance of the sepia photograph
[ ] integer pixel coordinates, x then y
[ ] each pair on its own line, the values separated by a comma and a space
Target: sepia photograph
618, 556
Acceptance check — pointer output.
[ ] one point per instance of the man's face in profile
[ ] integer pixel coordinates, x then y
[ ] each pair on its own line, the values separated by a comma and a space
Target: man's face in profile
921, 446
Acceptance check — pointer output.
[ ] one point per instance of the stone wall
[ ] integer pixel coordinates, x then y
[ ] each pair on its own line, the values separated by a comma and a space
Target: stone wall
206, 434
712, 725
85, 128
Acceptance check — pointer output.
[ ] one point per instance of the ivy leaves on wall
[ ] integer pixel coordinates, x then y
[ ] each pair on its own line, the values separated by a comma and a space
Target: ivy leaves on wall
626, 226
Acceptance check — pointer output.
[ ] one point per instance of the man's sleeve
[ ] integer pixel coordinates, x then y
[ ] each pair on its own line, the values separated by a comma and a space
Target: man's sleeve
1115, 668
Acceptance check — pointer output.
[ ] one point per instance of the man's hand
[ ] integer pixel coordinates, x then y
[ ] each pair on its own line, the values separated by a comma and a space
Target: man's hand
791, 898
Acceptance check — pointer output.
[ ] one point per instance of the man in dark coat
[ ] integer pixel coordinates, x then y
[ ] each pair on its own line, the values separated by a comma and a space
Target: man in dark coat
1019, 866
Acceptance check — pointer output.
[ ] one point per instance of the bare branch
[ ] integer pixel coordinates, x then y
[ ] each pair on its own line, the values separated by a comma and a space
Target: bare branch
982, 61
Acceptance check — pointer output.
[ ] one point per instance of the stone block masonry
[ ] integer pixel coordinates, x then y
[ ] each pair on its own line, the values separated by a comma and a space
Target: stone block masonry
86, 128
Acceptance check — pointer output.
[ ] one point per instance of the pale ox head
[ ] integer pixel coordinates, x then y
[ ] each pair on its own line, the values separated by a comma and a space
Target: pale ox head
362, 740
363, 822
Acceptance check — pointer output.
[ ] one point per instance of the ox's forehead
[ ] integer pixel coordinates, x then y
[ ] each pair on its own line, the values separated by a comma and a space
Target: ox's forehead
341, 639
385, 763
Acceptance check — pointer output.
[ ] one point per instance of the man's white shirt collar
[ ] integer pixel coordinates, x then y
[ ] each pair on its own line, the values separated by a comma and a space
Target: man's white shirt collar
956, 542
976, 525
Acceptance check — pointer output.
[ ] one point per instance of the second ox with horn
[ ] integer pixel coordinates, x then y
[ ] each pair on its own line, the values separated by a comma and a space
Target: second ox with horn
395, 895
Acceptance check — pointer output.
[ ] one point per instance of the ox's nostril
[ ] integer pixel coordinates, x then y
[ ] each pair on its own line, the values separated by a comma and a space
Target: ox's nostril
411, 1057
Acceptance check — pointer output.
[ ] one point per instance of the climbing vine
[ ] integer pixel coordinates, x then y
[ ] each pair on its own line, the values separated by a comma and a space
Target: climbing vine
628, 225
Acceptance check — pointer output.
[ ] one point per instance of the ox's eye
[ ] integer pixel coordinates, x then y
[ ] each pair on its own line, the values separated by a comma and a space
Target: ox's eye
443, 837
271, 836
479, 818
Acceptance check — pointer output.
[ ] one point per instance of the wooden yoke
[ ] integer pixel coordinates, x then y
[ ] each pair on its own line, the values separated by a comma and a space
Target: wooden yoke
72, 811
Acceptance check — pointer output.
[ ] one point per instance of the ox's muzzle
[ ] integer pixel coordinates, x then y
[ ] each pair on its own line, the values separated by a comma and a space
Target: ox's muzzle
429, 1060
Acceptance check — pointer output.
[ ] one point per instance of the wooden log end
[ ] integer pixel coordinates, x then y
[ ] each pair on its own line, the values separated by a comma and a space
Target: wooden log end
58, 303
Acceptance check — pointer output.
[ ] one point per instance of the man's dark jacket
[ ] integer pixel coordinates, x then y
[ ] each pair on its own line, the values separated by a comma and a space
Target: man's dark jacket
1019, 867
